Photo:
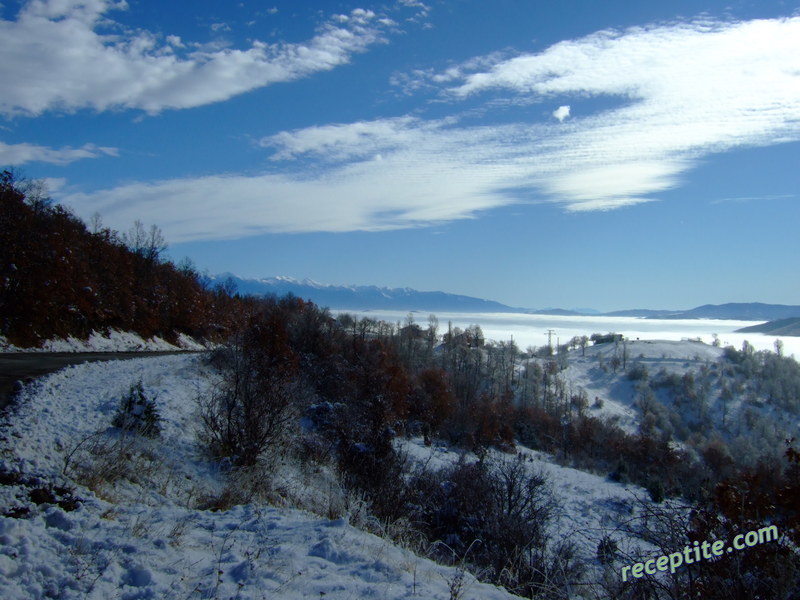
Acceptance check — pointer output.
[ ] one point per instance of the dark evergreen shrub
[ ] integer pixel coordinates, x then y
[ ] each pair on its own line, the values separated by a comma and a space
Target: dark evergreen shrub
656, 490
138, 413
606, 550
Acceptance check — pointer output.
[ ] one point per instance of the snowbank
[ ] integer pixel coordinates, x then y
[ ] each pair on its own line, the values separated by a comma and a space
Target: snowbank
112, 341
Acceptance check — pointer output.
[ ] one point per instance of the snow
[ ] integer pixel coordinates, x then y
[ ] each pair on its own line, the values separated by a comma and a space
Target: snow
143, 537
589, 506
618, 392
111, 341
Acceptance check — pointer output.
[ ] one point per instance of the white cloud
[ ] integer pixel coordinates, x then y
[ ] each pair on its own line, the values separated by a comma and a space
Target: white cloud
422, 9
685, 91
744, 199
379, 195
60, 58
561, 113
19, 154
343, 141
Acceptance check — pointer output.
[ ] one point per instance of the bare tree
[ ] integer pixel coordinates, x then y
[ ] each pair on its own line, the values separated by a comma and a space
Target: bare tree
249, 410
149, 244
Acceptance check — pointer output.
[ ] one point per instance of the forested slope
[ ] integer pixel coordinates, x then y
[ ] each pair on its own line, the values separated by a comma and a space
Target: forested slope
59, 279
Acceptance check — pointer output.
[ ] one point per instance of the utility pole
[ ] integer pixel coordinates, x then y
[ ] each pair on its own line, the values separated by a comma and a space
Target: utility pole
550, 333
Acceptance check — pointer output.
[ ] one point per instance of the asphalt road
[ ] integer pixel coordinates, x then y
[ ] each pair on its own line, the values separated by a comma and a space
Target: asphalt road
24, 366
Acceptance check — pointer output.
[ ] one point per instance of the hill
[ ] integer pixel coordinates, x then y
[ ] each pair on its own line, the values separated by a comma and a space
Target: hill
183, 476
736, 311
146, 518
58, 279
780, 327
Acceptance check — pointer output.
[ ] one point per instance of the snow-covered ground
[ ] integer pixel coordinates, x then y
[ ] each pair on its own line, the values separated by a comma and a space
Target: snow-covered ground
588, 507
618, 392
144, 537
112, 341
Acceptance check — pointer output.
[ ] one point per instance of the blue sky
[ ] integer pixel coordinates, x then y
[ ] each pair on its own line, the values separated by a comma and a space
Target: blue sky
612, 154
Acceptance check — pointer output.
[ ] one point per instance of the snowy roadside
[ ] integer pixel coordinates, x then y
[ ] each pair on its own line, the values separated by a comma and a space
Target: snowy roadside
144, 537
112, 341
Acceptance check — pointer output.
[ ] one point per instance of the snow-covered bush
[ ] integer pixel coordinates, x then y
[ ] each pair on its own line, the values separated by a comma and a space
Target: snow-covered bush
137, 412
101, 459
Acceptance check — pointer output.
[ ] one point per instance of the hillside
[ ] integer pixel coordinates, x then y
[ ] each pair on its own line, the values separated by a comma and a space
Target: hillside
137, 531
60, 280
375, 451
737, 311
149, 538
780, 327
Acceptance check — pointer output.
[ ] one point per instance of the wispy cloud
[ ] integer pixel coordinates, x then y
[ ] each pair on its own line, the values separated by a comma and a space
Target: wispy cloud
347, 141
421, 9
378, 195
745, 199
68, 55
680, 92
19, 154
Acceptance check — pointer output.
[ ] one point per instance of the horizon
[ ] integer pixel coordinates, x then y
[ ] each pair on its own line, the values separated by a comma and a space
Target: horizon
537, 155
589, 310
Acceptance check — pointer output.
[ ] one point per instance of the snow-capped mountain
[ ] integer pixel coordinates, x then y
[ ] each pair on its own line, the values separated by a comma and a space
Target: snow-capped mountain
368, 297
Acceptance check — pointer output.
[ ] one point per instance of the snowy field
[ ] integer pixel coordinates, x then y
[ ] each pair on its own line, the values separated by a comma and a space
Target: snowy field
531, 330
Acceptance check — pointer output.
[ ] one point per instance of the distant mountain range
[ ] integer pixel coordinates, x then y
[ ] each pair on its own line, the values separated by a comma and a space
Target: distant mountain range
365, 297
739, 311
370, 297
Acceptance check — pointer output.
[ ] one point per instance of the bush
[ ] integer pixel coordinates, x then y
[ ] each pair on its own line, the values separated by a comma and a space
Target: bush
620, 474
607, 550
251, 408
656, 490
638, 372
138, 413
492, 515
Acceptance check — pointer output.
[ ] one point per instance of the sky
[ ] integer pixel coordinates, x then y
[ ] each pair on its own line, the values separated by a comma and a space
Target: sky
573, 154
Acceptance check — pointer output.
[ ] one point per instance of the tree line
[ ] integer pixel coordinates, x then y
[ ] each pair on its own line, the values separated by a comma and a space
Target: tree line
59, 278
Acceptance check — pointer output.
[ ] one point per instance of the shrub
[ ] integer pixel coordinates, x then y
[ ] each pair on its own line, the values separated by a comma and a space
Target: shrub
250, 409
491, 514
101, 459
607, 550
620, 474
656, 490
138, 413
638, 372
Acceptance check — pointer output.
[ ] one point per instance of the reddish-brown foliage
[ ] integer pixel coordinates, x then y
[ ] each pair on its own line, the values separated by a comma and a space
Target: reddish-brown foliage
59, 279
